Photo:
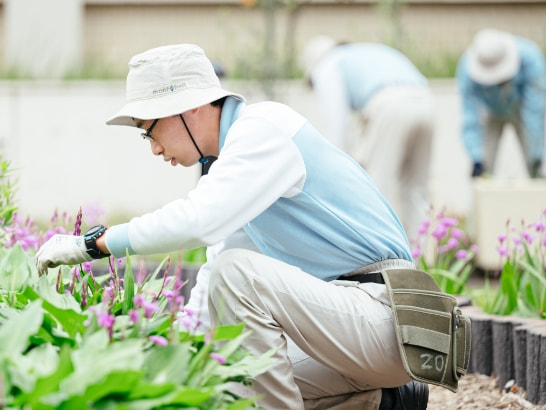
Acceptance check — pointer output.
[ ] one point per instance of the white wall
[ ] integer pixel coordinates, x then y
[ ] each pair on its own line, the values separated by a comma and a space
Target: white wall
43, 38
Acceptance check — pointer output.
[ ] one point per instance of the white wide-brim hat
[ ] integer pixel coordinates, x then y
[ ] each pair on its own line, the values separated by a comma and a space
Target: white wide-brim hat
493, 57
314, 50
166, 81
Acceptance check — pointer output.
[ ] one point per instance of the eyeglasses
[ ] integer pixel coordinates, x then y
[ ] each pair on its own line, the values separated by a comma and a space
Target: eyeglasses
147, 135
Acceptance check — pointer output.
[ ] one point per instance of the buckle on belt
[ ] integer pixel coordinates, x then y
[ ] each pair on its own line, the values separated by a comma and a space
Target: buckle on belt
374, 277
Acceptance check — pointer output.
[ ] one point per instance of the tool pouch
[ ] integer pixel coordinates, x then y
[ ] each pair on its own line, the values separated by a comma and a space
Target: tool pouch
432, 333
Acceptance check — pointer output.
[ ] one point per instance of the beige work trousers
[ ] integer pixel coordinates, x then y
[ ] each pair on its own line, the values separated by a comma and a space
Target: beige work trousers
336, 340
396, 149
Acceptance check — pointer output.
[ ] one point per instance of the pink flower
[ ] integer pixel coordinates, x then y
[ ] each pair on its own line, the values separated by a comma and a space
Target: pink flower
449, 221
461, 254
218, 357
415, 253
439, 232
424, 227
159, 340
502, 250
502, 238
133, 316
105, 320
457, 233
539, 226
452, 244
528, 237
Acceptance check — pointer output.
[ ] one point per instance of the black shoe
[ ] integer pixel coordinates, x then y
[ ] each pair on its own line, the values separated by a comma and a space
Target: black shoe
411, 396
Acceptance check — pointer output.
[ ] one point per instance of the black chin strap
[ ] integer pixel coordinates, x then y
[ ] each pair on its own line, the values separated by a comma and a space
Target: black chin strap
203, 159
206, 162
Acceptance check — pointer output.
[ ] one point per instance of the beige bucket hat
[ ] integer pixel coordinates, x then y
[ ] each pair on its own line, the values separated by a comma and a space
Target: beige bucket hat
493, 57
166, 81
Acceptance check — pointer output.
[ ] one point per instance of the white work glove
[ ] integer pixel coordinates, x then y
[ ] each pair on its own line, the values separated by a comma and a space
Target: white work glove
61, 250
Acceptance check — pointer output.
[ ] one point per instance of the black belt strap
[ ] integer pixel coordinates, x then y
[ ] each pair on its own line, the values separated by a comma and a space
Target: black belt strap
374, 277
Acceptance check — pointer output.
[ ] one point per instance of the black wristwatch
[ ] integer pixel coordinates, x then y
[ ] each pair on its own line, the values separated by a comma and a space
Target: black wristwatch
90, 238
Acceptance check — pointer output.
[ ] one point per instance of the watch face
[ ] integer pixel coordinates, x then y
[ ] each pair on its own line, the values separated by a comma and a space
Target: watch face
94, 229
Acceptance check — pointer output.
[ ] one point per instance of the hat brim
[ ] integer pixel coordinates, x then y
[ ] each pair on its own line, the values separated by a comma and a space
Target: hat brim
167, 105
498, 73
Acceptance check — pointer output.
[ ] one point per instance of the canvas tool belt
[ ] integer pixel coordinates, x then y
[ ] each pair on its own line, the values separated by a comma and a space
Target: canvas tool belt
432, 333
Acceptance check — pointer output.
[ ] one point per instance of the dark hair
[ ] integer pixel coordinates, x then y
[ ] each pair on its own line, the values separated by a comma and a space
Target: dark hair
219, 103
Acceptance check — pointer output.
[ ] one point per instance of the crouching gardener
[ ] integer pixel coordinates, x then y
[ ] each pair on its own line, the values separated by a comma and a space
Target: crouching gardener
288, 219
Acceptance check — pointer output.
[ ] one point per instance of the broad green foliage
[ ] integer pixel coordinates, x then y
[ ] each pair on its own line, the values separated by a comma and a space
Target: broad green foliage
69, 342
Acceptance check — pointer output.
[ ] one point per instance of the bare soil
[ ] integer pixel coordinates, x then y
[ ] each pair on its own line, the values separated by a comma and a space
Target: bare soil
479, 392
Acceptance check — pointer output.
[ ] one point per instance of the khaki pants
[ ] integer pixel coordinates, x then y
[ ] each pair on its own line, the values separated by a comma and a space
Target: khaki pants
336, 339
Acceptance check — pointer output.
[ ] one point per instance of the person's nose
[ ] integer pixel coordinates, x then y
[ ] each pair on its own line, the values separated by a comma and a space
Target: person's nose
156, 148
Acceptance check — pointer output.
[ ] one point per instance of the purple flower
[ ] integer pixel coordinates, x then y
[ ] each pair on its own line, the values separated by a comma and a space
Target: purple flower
186, 321
452, 243
439, 232
501, 238
539, 226
457, 233
169, 294
78, 224
138, 300
133, 316
159, 340
415, 253
218, 357
424, 227
502, 250
449, 221
105, 320
528, 237
461, 254
475, 248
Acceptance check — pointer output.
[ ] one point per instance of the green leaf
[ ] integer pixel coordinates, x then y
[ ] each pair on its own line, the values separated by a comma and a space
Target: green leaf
63, 308
97, 358
46, 389
128, 286
169, 363
120, 383
146, 390
15, 269
16, 331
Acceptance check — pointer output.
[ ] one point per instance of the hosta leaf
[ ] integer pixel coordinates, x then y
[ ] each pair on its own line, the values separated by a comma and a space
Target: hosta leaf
16, 331
97, 358
119, 383
64, 309
39, 362
15, 269
169, 363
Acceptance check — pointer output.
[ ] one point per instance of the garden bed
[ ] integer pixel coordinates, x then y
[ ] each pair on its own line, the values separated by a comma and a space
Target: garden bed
511, 349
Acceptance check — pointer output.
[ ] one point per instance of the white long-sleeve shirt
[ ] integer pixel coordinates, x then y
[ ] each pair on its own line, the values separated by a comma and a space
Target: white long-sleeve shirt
297, 197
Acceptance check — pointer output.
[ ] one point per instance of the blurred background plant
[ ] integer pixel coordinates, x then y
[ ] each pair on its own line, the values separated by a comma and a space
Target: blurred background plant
443, 249
7, 190
522, 257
